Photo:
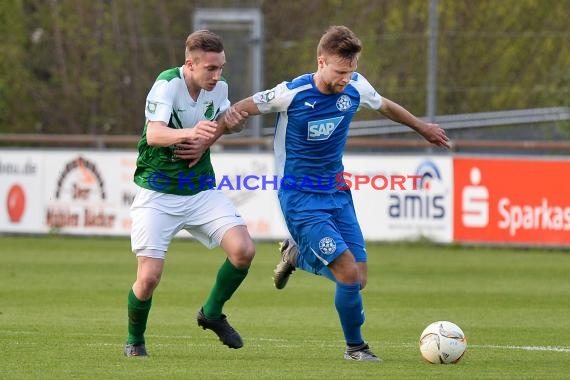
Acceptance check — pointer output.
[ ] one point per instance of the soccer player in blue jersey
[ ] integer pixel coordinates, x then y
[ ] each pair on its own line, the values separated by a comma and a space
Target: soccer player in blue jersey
314, 112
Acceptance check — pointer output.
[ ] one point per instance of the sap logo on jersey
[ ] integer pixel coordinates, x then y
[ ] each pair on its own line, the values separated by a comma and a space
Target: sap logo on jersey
323, 129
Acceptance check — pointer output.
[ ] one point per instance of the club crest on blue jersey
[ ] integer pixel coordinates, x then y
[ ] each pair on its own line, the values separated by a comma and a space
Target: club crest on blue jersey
343, 103
322, 129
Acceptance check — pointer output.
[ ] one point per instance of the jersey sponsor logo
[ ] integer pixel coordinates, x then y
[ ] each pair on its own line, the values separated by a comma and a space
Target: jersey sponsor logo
311, 105
323, 129
343, 103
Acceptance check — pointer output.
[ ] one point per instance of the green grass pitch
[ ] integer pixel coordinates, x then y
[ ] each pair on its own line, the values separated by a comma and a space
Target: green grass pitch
63, 314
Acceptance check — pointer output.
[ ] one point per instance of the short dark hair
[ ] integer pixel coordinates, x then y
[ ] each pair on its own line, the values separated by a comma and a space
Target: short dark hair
340, 41
204, 40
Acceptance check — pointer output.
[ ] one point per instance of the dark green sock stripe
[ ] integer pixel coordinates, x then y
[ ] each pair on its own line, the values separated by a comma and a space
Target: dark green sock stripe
138, 316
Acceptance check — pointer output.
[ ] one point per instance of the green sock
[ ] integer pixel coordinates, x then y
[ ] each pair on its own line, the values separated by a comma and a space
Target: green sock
138, 315
228, 280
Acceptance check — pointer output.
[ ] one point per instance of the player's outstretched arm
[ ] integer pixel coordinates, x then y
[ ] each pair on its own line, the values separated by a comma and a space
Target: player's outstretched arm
232, 120
430, 131
243, 107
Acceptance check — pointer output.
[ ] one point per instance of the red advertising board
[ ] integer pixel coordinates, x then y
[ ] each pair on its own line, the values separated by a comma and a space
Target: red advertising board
509, 200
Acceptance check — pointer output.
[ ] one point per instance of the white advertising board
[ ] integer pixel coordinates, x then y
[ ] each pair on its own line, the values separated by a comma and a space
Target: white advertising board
20, 178
247, 180
90, 192
405, 198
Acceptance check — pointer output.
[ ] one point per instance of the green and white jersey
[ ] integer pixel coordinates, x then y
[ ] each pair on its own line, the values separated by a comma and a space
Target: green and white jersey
169, 101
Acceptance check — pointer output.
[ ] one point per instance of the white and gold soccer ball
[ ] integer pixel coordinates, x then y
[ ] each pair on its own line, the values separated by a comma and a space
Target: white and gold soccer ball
443, 342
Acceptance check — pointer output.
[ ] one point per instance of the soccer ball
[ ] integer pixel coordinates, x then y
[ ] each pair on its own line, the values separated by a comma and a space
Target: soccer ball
443, 342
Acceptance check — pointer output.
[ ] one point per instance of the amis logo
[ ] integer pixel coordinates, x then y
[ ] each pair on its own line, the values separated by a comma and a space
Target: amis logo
323, 129
427, 202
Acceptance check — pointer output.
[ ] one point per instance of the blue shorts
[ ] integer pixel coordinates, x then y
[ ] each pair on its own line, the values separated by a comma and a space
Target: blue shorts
323, 225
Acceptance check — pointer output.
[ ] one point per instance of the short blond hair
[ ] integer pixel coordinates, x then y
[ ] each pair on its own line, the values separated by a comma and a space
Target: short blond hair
204, 40
340, 41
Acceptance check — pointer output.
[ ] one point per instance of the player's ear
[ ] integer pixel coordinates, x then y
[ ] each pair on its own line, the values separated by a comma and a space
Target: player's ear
320, 61
191, 61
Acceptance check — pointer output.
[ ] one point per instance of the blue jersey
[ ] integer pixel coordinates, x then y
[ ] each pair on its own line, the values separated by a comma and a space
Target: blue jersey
311, 129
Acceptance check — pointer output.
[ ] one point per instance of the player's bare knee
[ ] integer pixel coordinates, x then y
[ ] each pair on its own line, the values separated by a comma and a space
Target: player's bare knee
147, 284
243, 256
249, 253
346, 274
345, 269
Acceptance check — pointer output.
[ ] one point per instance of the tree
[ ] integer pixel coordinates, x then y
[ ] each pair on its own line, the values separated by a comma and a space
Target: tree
85, 66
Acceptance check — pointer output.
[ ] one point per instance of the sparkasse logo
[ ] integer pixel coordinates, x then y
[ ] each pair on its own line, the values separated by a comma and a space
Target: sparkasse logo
475, 202
512, 200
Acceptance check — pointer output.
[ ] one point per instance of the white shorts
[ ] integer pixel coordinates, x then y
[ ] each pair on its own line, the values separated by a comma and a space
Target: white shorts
157, 217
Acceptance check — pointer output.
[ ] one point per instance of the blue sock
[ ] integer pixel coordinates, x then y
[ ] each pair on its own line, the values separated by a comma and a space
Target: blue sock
348, 302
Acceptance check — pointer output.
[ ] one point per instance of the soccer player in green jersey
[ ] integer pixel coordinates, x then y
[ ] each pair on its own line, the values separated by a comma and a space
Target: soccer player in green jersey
187, 109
